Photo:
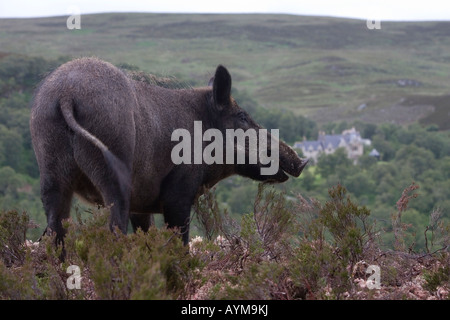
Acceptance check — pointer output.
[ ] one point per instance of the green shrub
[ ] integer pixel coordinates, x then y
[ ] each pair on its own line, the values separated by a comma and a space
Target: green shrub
13, 228
152, 265
334, 237
285, 248
439, 277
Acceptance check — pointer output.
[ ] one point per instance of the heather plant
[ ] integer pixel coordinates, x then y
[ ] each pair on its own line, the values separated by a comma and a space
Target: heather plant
437, 233
347, 224
295, 249
288, 249
400, 228
253, 250
18, 283
285, 248
208, 214
437, 243
439, 277
334, 237
150, 265
21, 276
13, 228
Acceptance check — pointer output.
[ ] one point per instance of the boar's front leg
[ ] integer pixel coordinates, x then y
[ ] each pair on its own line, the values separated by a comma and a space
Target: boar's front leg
141, 221
178, 192
177, 215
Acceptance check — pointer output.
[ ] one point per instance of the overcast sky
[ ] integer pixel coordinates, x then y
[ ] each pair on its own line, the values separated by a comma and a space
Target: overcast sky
362, 9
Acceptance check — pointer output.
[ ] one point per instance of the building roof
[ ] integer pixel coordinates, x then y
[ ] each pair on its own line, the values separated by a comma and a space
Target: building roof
309, 145
374, 153
333, 140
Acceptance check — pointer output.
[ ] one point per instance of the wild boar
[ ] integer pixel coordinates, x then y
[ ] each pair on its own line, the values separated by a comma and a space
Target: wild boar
109, 138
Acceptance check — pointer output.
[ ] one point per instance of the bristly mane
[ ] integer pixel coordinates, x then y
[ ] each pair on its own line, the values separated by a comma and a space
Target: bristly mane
160, 81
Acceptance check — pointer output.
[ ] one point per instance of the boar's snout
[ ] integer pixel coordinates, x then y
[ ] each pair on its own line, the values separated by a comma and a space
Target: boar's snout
290, 162
295, 168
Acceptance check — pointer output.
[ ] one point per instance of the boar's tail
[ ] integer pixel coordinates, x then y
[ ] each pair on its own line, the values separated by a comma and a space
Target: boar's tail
116, 165
67, 111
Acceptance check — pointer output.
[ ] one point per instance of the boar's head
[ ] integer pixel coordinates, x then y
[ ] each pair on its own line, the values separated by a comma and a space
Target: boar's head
280, 159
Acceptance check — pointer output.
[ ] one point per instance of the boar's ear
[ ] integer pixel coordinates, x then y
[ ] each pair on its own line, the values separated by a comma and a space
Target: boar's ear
222, 87
211, 81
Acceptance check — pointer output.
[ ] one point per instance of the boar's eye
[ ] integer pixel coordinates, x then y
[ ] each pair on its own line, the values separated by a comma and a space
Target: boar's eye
242, 117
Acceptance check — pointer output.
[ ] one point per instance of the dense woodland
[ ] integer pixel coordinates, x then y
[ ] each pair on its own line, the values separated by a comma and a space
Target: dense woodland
409, 154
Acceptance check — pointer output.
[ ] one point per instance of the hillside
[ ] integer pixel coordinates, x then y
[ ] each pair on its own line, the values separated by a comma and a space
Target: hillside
328, 69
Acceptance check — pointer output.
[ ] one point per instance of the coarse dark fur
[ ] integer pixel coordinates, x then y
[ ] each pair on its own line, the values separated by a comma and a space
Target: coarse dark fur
105, 136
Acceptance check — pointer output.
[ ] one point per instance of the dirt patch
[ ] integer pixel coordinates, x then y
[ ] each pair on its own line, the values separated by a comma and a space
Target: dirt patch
441, 112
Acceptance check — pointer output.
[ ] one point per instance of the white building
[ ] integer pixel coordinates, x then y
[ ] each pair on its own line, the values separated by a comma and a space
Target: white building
350, 140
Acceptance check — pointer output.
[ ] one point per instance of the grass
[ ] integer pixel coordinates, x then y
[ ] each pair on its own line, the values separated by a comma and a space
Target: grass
320, 67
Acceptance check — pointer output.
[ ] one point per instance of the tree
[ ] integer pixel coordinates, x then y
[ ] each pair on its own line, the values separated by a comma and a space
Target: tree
366, 162
9, 182
11, 146
385, 148
307, 180
417, 159
337, 162
359, 184
368, 130
433, 142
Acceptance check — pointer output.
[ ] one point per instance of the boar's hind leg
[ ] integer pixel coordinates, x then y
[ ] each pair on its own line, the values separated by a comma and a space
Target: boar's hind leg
112, 183
56, 197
